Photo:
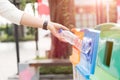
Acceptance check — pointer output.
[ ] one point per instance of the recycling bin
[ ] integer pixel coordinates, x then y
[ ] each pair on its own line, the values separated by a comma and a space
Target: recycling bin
108, 56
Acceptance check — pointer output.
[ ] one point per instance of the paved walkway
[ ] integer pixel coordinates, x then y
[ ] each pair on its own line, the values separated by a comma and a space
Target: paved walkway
8, 62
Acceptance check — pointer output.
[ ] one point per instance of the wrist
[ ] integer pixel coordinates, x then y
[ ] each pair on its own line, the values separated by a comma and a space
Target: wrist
50, 25
45, 25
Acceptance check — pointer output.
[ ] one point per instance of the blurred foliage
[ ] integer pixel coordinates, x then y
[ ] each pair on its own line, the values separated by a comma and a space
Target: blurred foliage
24, 2
56, 70
30, 31
7, 39
8, 29
7, 34
12, 39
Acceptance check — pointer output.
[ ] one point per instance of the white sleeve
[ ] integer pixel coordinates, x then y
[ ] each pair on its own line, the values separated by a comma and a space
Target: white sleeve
10, 12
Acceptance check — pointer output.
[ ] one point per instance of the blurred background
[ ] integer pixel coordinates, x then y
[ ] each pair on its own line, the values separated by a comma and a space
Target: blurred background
18, 43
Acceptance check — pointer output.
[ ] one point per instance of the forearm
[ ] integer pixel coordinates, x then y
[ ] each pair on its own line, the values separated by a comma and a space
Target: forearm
32, 21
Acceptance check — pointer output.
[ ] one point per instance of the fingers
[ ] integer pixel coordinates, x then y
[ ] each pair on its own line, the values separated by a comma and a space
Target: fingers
59, 26
63, 27
54, 28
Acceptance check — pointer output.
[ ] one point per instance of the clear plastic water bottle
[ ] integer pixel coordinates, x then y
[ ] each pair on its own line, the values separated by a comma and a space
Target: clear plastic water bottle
83, 45
68, 36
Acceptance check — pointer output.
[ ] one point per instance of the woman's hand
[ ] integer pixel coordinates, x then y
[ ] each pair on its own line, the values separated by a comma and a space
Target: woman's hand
54, 28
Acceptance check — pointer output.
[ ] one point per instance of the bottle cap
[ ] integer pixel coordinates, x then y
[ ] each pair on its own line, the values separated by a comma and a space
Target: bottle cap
60, 30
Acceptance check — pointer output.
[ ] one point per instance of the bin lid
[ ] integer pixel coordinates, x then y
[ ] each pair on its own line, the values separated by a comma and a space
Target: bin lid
109, 30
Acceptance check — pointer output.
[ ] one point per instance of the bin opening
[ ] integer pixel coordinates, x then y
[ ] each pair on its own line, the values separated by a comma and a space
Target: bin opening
108, 53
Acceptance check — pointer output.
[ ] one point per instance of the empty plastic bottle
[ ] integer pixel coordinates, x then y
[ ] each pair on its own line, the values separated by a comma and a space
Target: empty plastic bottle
68, 36
72, 39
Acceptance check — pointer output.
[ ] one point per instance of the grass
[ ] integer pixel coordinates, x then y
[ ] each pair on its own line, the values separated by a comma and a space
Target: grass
54, 69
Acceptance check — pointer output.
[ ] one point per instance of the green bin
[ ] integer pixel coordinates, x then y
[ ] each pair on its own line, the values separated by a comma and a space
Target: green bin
108, 58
